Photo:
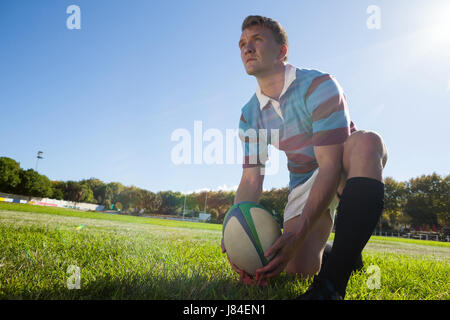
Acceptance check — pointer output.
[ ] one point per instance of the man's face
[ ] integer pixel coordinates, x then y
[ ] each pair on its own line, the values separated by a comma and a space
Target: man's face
259, 50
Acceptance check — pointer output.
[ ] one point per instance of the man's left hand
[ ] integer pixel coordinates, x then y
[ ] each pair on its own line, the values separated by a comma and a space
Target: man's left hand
284, 250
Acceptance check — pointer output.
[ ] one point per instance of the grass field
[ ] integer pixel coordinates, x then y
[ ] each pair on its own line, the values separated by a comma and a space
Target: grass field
125, 257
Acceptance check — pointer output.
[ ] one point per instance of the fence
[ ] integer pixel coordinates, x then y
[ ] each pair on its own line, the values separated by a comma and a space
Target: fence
13, 198
414, 235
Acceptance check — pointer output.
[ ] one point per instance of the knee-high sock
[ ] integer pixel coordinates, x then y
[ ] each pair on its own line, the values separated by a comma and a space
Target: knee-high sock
359, 210
326, 253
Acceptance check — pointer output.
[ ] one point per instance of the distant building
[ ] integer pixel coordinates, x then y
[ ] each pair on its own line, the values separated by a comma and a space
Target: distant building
204, 216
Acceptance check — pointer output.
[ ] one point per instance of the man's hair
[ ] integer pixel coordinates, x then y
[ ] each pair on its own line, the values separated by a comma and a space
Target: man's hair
277, 29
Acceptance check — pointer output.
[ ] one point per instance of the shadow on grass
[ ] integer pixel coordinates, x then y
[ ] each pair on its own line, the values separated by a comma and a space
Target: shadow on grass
138, 287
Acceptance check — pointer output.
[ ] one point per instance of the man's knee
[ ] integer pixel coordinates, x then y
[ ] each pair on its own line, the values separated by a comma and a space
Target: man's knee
366, 145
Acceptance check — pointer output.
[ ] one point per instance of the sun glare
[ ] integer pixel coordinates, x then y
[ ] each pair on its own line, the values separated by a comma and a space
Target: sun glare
436, 31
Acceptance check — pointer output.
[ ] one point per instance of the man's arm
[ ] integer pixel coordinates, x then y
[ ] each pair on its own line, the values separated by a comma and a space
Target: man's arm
322, 192
250, 187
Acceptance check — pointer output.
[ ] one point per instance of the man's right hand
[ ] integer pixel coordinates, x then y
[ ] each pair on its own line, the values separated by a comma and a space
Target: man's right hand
245, 278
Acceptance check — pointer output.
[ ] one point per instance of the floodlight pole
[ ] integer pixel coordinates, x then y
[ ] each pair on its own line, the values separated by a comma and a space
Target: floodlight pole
184, 207
39, 156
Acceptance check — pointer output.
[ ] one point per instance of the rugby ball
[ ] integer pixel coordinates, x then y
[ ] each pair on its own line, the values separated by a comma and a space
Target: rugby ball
248, 231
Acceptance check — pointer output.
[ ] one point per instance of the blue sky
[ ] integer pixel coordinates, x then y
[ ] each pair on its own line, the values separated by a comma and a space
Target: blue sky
104, 100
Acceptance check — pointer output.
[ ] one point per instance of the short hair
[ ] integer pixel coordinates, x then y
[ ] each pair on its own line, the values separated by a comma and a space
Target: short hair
277, 29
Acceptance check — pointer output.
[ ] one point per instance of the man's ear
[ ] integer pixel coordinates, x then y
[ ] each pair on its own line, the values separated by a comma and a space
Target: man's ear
283, 52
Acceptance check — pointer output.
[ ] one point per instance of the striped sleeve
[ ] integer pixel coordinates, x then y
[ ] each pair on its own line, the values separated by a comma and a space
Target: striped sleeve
254, 145
326, 102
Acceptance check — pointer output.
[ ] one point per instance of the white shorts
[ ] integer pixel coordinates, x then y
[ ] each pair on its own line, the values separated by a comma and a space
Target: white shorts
299, 195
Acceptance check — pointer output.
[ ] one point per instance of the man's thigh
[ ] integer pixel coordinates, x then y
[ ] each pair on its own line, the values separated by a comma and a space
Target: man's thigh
307, 261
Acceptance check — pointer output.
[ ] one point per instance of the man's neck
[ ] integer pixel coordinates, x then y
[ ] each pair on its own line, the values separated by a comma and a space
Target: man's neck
272, 83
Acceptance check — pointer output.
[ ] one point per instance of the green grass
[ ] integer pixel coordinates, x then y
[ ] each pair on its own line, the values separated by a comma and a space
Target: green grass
102, 216
124, 257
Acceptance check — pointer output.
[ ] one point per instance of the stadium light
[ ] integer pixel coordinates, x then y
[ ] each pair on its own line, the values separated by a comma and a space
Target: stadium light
39, 156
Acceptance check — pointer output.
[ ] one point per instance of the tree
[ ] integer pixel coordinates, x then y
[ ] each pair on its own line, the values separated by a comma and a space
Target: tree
9, 175
78, 192
395, 194
171, 202
57, 190
112, 191
217, 204
150, 201
395, 198
105, 194
427, 197
130, 197
275, 201
33, 184
443, 219
108, 204
192, 202
97, 186
87, 194
118, 206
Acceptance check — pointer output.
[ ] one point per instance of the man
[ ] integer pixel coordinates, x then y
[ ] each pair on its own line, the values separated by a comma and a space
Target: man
328, 159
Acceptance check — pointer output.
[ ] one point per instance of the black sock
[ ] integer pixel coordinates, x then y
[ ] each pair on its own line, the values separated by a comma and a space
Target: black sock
358, 213
326, 253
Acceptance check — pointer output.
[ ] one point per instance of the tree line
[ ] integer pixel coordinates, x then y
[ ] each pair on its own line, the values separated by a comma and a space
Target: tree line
422, 202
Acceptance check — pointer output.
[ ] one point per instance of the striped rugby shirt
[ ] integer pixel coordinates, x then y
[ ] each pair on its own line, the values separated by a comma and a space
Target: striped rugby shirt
311, 111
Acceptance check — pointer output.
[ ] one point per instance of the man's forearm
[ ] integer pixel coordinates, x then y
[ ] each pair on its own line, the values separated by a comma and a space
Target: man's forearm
248, 191
320, 197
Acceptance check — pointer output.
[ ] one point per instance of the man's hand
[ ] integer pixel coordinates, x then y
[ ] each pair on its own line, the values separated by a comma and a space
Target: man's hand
284, 249
323, 190
244, 277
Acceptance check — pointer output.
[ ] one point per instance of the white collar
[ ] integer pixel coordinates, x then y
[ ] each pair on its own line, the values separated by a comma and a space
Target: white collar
289, 77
